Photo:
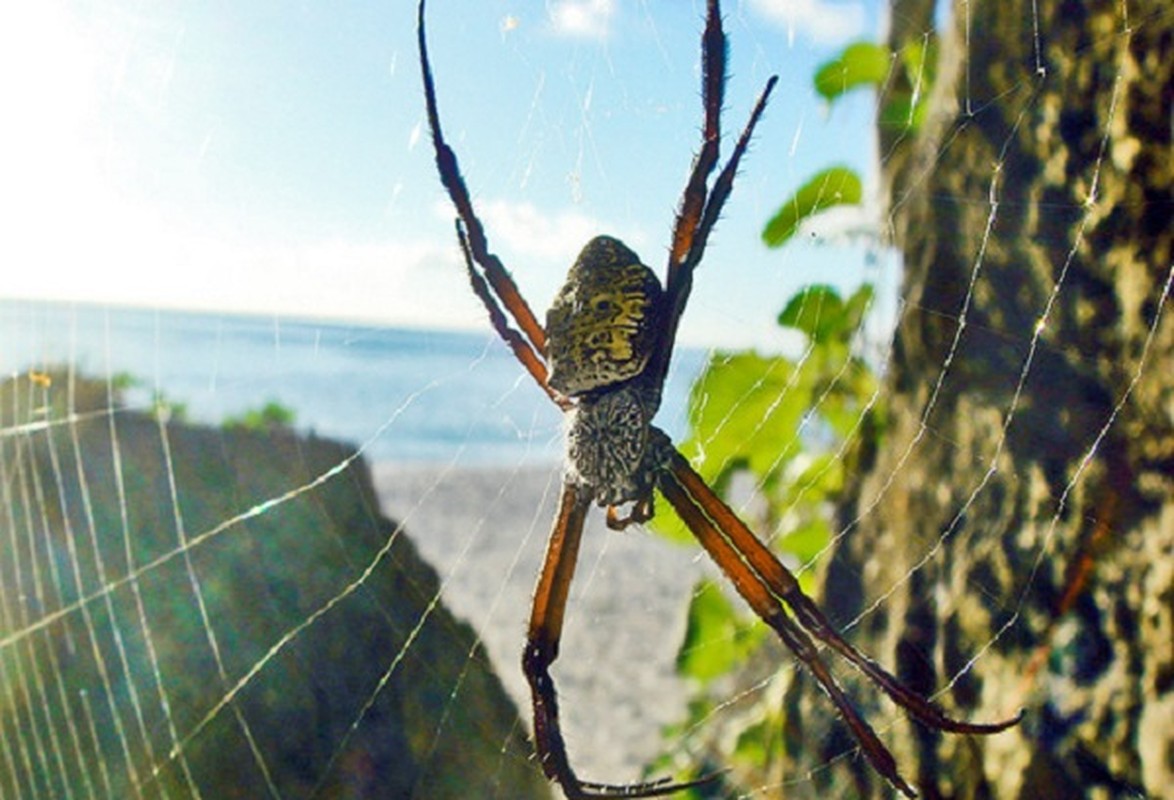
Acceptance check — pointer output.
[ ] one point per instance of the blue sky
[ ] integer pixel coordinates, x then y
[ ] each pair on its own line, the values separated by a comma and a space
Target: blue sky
271, 156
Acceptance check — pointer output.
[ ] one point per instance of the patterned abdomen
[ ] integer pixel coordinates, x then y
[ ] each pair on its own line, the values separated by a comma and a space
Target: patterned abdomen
607, 446
603, 324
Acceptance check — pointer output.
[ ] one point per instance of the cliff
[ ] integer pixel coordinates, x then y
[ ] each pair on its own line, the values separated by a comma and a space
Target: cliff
196, 611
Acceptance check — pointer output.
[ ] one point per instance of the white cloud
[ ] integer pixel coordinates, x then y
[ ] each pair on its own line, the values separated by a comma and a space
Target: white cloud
582, 19
98, 247
117, 252
539, 247
529, 232
415, 283
823, 21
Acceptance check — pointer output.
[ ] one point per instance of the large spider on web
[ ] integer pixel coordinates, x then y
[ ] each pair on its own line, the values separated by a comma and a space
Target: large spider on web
602, 357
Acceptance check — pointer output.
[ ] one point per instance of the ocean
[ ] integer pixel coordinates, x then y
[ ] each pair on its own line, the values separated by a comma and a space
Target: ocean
405, 396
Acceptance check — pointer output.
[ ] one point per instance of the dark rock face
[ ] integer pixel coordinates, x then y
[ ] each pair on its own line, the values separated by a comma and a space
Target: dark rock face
295, 646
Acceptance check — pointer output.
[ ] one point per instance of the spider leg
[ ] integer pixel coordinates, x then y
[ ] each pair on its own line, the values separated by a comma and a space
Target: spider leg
542, 641
713, 89
526, 354
700, 207
764, 603
493, 285
767, 586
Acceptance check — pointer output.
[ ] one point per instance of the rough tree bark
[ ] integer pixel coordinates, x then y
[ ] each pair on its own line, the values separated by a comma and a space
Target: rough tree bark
1028, 527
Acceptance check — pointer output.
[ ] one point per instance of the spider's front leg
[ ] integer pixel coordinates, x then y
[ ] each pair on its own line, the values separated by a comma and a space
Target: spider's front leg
488, 277
542, 641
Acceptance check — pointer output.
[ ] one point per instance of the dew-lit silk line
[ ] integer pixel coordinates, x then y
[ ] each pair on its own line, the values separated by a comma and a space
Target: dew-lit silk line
87, 621
176, 751
52, 748
115, 625
140, 607
202, 538
22, 739
246, 678
205, 621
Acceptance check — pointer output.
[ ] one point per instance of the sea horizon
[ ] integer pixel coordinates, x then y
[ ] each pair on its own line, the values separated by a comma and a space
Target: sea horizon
404, 395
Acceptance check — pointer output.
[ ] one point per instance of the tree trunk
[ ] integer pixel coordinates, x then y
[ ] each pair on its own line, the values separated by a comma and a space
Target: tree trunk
1012, 541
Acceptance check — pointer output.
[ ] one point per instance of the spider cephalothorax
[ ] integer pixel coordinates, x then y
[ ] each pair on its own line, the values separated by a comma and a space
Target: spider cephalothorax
602, 358
604, 322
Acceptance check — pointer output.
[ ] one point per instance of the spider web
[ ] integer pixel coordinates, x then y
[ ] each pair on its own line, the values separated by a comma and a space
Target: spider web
101, 634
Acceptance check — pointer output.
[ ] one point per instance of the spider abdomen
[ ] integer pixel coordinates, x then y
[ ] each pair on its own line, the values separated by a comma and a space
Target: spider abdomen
607, 445
601, 328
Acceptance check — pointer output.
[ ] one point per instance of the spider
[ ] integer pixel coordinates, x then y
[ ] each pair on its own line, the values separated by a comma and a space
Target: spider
602, 358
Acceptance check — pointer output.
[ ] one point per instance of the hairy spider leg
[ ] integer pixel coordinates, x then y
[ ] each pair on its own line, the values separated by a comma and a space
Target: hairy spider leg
767, 586
542, 641
713, 90
474, 245
530, 358
764, 603
700, 207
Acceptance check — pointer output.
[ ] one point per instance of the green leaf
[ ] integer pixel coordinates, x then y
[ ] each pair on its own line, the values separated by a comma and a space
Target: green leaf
899, 113
818, 311
715, 637
899, 110
835, 186
815, 310
269, 417
860, 63
753, 744
742, 411
920, 62
669, 524
857, 306
805, 541
704, 652
823, 477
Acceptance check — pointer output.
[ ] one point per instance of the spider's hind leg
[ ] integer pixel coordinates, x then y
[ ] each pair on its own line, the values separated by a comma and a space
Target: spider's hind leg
542, 644
771, 590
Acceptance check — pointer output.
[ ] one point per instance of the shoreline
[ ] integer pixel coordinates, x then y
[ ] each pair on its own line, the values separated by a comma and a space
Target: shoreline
484, 530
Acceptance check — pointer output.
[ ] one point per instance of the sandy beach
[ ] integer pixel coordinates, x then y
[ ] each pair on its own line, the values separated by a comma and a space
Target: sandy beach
484, 530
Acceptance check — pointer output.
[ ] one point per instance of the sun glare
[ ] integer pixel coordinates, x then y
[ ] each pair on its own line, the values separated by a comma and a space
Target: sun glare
50, 144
